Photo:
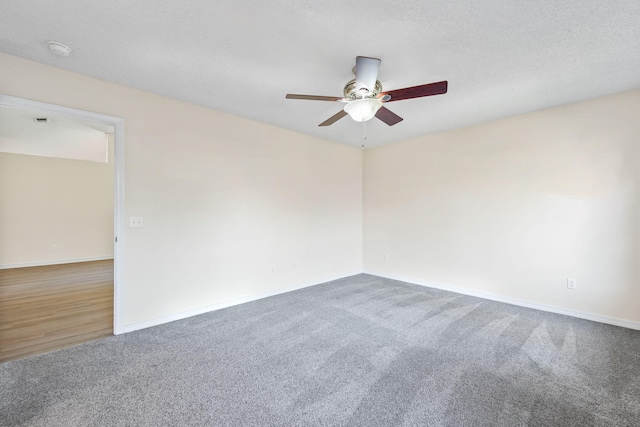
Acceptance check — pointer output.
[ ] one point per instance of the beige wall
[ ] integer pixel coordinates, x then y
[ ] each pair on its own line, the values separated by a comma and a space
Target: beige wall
234, 208
230, 206
45, 201
514, 207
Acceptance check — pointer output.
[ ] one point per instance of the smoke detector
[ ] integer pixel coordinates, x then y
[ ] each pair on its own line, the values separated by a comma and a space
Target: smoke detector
59, 48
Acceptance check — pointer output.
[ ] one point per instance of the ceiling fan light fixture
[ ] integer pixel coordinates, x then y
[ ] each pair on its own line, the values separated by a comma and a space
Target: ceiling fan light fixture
362, 110
364, 97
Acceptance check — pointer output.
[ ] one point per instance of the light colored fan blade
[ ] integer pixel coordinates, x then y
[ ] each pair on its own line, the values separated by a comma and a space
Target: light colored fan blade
366, 72
331, 120
314, 97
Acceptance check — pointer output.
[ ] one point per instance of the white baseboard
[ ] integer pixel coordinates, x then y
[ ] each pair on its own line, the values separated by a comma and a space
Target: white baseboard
54, 262
228, 303
522, 303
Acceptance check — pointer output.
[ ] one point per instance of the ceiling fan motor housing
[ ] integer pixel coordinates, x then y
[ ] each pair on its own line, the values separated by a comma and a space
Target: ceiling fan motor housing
352, 93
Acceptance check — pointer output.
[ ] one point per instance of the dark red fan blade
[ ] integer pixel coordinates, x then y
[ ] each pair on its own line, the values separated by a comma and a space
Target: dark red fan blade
417, 91
314, 97
388, 116
331, 120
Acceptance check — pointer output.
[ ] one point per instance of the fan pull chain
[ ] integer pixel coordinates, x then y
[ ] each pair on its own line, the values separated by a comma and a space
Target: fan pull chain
364, 130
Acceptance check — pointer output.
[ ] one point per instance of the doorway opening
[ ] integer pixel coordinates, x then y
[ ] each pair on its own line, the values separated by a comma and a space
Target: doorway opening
115, 132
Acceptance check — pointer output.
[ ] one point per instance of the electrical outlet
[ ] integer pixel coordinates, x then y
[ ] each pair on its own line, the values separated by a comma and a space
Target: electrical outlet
572, 283
386, 257
54, 247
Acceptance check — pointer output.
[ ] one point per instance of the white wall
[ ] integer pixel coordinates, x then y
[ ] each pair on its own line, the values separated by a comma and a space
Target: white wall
229, 204
514, 207
46, 201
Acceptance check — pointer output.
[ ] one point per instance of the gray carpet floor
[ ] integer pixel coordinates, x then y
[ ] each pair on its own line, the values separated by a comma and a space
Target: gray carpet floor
360, 351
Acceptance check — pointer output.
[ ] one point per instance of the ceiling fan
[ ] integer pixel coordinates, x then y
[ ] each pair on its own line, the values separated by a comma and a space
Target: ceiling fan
363, 96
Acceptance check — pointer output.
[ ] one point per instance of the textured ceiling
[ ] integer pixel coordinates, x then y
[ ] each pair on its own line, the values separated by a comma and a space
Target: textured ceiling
501, 57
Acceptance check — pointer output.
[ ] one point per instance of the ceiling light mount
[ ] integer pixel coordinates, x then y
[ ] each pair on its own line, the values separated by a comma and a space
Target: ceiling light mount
58, 48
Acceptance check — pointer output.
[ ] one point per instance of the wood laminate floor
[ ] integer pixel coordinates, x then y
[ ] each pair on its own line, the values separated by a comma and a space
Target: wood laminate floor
50, 307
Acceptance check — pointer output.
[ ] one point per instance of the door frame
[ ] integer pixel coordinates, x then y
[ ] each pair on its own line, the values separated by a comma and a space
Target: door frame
118, 184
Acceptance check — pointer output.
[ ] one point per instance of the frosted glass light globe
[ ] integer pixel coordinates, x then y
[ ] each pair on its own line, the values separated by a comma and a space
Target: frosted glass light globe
363, 109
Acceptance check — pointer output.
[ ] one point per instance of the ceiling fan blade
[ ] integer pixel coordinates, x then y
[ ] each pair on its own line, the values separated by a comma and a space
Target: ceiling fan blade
331, 120
366, 72
429, 89
388, 116
314, 97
